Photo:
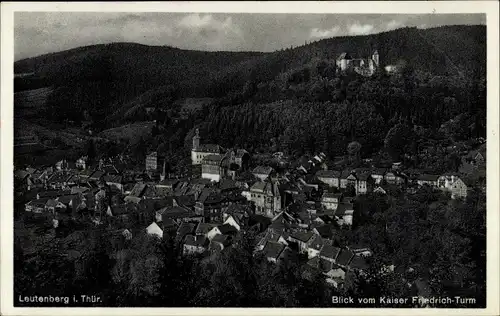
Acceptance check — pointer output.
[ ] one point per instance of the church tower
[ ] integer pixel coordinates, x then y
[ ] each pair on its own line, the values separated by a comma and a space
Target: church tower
196, 146
196, 140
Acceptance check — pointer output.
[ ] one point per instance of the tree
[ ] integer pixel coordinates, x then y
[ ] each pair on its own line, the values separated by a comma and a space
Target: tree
397, 140
353, 150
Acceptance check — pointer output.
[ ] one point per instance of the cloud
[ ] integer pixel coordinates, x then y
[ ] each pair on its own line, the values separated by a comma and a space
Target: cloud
393, 24
360, 29
37, 33
319, 33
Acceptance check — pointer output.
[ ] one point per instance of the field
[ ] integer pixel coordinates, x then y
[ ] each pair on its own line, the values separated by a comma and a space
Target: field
30, 102
131, 132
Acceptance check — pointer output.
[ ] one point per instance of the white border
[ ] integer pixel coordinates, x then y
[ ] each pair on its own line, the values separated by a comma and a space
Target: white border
491, 8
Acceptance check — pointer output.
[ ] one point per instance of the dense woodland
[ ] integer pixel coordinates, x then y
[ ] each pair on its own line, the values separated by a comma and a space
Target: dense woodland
295, 101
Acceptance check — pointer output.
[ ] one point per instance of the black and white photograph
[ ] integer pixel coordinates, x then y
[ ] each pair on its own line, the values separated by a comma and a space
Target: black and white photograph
251, 160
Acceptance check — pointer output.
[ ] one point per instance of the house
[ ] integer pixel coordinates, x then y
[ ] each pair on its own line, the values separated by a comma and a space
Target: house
220, 242
271, 235
242, 158
364, 184
200, 151
335, 275
380, 190
185, 229
120, 212
235, 220
343, 179
225, 229
214, 167
361, 251
445, 182
477, 157
262, 172
393, 177
459, 189
329, 177
115, 181
81, 163
266, 197
22, 180
210, 205
36, 206
138, 190
154, 162
273, 251
378, 175
154, 230
53, 205
344, 213
316, 246
302, 239
177, 213
329, 253
358, 263
194, 245
428, 179
344, 258
96, 176
203, 228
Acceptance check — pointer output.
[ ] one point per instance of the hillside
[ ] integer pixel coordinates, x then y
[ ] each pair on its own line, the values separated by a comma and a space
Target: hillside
292, 98
100, 78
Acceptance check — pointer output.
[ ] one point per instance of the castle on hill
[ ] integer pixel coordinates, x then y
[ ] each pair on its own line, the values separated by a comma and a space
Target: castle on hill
363, 66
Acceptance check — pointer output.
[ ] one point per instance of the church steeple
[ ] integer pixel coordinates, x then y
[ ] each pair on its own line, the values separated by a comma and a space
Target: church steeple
196, 140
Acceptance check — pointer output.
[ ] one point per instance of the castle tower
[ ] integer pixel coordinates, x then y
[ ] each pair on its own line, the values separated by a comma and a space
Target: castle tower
196, 140
375, 58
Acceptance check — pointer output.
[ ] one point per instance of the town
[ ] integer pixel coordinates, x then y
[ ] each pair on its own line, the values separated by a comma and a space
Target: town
297, 209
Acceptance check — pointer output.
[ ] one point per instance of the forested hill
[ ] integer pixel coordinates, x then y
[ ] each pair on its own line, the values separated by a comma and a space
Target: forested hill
103, 80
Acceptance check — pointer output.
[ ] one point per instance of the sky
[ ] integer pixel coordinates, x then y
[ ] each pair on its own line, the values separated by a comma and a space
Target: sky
37, 33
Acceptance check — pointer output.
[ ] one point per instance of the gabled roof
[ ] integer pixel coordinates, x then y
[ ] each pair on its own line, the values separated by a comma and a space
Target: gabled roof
342, 208
358, 263
222, 239
209, 148
152, 205
227, 229
328, 174
345, 257
213, 158
325, 231
317, 243
175, 212
302, 236
117, 210
330, 252
185, 229
197, 241
262, 170
169, 182
65, 199
344, 56
97, 175
273, 249
428, 177
330, 195
204, 228
113, 178
21, 174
